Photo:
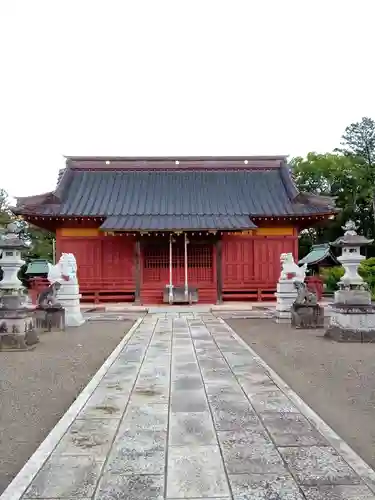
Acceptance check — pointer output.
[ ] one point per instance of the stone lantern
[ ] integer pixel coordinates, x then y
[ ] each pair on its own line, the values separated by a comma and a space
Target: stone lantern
350, 259
353, 316
16, 319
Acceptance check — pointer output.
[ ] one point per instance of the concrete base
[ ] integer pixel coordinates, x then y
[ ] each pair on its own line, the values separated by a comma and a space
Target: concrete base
17, 330
282, 316
73, 314
355, 336
352, 323
285, 296
307, 316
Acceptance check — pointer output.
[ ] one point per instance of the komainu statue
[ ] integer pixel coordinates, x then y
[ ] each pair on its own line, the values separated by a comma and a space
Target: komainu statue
47, 297
306, 312
291, 270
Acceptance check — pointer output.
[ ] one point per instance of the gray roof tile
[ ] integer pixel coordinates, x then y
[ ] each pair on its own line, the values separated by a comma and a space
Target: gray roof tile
171, 222
251, 193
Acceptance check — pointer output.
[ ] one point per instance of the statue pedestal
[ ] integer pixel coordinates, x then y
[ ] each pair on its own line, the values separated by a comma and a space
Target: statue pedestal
286, 294
351, 320
307, 316
50, 318
69, 297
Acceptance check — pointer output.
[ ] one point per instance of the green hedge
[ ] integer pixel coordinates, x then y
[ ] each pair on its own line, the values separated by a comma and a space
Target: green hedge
331, 276
367, 271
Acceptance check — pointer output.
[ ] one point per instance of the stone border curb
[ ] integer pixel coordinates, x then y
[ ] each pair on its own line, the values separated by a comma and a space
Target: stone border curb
20, 483
364, 471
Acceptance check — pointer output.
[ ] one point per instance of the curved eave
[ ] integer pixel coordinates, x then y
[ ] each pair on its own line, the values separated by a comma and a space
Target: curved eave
317, 255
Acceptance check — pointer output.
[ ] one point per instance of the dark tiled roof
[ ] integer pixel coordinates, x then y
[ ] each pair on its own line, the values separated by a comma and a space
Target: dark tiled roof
171, 222
250, 192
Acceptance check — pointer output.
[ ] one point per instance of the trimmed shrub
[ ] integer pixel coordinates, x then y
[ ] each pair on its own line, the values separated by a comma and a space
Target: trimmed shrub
331, 276
367, 271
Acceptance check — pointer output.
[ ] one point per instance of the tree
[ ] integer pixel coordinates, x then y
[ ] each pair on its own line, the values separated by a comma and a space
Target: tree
358, 142
5, 214
42, 246
341, 177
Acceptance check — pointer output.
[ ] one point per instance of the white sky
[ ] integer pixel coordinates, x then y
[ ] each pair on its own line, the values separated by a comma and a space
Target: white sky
194, 77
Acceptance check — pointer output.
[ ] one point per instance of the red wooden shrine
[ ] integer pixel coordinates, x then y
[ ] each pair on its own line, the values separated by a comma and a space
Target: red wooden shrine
237, 225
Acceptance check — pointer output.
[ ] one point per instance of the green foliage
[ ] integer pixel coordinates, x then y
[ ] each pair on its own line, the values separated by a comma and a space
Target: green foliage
358, 140
5, 214
42, 246
367, 271
331, 276
347, 175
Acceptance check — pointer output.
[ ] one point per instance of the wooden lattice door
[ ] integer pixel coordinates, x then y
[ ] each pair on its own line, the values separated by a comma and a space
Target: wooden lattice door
199, 263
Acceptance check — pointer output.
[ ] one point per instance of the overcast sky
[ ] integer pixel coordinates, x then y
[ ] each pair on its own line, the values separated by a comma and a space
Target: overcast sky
196, 77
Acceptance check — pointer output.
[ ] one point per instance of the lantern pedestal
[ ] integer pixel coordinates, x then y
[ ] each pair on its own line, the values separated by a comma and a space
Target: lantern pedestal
352, 323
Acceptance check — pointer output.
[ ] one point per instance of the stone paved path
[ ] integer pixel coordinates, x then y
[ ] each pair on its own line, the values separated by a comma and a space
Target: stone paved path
186, 412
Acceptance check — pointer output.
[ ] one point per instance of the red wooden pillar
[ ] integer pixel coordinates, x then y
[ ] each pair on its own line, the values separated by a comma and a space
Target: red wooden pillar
137, 270
219, 269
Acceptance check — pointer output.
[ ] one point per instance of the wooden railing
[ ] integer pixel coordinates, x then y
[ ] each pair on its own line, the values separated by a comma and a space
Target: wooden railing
91, 290
106, 290
254, 291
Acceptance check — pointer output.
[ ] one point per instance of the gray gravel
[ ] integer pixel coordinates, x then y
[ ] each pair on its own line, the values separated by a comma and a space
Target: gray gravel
37, 387
336, 380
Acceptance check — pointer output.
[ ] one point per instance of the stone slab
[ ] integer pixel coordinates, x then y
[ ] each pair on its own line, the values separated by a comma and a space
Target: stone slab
250, 452
105, 404
292, 429
234, 416
189, 401
66, 477
91, 437
138, 452
136, 487
272, 401
318, 466
196, 472
191, 429
338, 492
153, 417
264, 486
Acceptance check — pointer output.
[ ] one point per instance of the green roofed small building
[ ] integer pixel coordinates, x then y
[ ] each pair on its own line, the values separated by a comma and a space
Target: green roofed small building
319, 256
37, 268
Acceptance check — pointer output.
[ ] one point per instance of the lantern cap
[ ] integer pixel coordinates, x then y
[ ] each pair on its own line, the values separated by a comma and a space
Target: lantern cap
350, 237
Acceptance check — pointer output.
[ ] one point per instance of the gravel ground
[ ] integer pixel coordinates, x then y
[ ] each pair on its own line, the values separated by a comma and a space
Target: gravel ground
336, 380
37, 387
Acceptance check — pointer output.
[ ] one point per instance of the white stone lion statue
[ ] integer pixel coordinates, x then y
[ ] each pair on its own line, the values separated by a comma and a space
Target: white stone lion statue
65, 270
289, 267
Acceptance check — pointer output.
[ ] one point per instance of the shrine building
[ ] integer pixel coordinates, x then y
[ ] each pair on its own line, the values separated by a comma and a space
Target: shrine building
187, 229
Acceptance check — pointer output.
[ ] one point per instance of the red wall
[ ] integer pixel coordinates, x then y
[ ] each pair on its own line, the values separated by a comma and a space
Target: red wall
106, 257
247, 261
254, 259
